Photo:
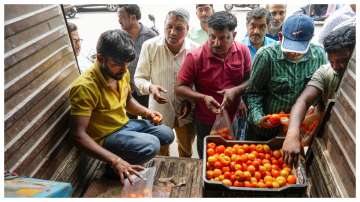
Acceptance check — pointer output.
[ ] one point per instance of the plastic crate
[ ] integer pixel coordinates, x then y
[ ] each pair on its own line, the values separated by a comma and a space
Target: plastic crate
217, 189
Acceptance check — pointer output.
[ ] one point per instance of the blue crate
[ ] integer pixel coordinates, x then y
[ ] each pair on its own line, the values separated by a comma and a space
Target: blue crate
36, 188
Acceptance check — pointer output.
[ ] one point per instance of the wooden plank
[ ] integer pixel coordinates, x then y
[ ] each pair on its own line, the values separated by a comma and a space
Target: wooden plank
15, 10
33, 32
54, 89
177, 168
25, 72
345, 139
347, 111
20, 53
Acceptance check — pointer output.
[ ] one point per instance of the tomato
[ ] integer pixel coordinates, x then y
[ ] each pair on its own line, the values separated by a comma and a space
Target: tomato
261, 155
253, 180
232, 177
227, 182
209, 174
227, 175
267, 156
247, 175
218, 164
217, 172
208, 166
256, 163
251, 169
211, 145
274, 161
266, 148
220, 149
225, 169
237, 184
268, 184
157, 119
236, 147
221, 177
259, 148
225, 160
234, 157
251, 156
291, 179
284, 173
275, 184
275, 167
252, 147
267, 166
281, 180
246, 147
211, 159
261, 185
275, 173
239, 175
210, 152
228, 151
243, 158
238, 167
257, 175
247, 184
262, 169
276, 154
268, 178
232, 166
240, 151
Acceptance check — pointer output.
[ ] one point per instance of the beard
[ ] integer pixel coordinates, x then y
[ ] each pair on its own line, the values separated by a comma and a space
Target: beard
106, 71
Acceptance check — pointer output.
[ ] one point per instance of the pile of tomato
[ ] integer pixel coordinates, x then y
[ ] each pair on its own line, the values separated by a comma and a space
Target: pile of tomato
247, 165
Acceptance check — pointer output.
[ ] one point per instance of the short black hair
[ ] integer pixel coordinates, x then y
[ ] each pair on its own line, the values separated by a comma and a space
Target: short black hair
199, 5
258, 13
341, 38
222, 20
71, 27
116, 44
132, 9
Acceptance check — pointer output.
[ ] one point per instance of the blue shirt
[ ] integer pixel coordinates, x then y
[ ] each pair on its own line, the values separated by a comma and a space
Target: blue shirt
275, 37
247, 42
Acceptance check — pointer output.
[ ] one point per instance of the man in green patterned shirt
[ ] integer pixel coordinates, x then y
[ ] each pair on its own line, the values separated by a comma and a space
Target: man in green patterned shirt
280, 73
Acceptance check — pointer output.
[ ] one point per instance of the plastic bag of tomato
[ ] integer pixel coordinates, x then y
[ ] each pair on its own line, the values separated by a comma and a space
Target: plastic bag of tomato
249, 169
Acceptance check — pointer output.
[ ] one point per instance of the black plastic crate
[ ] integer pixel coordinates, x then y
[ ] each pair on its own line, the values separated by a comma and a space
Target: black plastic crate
217, 189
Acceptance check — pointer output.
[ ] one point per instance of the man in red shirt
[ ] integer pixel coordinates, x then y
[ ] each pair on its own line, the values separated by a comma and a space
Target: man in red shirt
218, 70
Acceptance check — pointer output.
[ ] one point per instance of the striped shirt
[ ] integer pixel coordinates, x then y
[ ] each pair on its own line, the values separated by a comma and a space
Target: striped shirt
276, 82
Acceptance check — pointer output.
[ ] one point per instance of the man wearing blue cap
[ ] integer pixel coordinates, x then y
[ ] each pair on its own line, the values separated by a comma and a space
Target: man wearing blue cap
280, 73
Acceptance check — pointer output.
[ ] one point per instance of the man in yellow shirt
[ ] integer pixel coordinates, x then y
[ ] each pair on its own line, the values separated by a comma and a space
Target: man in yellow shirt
100, 99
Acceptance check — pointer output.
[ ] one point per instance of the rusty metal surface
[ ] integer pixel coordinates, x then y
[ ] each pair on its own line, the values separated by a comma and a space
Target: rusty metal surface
174, 178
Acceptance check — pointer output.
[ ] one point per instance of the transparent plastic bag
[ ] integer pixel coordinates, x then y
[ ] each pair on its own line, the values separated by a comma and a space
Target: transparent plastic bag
222, 126
308, 127
141, 188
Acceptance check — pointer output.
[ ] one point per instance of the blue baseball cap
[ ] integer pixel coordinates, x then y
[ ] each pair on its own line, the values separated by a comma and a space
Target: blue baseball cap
297, 31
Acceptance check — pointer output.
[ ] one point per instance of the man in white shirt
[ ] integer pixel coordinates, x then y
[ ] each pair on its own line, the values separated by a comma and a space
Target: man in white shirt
159, 62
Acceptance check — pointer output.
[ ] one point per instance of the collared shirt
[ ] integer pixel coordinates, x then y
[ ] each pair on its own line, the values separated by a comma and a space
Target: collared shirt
274, 37
253, 50
144, 34
158, 65
198, 35
210, 74
342, 14
276, 82
327, 80
91, 96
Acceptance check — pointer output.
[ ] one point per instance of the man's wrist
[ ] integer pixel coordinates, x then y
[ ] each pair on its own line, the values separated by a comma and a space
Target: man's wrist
115, 161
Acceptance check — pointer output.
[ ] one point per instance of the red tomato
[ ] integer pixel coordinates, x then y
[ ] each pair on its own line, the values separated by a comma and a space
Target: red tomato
251, 169
291, 179
243, 158
275, 167
247, 175
210, 152
209, 174
257, 175
240, 151
232, 166
246, 147
218, 164
275, 173
276, 154
211, 145
261, 185
252, 147
237, 184
227, 175
228, 151
234, 158
225, 169
220, 149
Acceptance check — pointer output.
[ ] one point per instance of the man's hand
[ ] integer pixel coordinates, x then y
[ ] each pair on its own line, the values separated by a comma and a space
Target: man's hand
154, 116
156, 91
229, 96
265, 123
124, 169
185, 109
292, 147
212, 104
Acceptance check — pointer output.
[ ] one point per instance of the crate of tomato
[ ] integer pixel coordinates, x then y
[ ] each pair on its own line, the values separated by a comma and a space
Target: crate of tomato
249, 169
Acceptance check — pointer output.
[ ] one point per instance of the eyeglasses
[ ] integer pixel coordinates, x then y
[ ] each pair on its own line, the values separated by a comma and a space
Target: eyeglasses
77, 40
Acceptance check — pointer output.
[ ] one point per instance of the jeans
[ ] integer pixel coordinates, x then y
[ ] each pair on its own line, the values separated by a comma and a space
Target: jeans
138, 141
202, 131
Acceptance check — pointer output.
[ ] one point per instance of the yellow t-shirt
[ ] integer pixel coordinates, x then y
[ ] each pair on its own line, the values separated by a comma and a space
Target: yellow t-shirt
91, 96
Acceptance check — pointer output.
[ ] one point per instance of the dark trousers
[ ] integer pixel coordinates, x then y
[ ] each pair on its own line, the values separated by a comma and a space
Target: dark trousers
202, 130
